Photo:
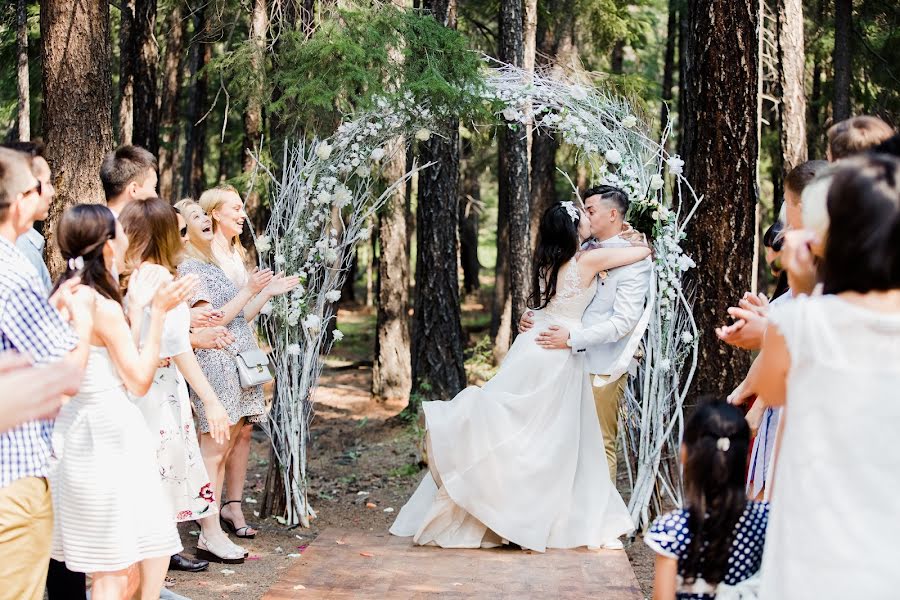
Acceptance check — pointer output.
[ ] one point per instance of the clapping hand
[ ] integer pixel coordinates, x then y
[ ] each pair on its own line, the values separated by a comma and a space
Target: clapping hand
259, 279
281, 284
169, 295
205, 316
749, 327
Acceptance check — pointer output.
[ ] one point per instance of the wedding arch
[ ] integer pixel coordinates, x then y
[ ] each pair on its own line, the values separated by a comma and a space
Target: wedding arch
329, 189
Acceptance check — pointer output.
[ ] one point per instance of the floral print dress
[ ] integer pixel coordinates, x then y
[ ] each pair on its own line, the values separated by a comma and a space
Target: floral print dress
219, 366
167, 412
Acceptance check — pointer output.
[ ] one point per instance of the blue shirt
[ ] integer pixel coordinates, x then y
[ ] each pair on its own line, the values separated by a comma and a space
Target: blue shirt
29, 325
31, 245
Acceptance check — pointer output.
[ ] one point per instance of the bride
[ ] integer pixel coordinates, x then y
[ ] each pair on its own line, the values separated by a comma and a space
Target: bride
521, 459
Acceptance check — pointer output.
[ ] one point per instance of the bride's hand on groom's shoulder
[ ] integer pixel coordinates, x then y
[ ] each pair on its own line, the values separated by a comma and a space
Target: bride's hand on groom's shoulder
527, 321
632, 235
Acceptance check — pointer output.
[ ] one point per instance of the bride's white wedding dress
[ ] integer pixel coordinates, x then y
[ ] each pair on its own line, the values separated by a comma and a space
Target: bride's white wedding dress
522, 458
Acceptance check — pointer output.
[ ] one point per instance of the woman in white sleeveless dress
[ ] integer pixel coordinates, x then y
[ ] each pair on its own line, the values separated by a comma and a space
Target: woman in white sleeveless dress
521, 459
154, 251
833, 362
109, 507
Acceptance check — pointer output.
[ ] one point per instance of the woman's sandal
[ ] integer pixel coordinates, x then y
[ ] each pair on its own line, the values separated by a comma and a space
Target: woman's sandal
228, 554
240, 532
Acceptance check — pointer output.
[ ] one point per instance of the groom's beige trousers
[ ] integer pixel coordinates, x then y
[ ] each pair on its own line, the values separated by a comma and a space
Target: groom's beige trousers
606, 399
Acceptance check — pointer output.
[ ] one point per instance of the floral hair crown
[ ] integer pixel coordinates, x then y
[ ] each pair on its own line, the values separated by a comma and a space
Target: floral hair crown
570, 208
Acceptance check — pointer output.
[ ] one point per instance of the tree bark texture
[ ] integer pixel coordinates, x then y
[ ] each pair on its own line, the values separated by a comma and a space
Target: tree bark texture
668, 82
501, 308
127, 58
22, 79
469, 213
617, 59
437, 345
195, 147
146, 107
77, 122
259, 25
171, 92
437, 357
720, 122
842, 57
514, 169
392, 371
791, 61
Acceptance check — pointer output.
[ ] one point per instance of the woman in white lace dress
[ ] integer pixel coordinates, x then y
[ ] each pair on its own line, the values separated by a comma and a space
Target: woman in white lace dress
521, 459
833, 362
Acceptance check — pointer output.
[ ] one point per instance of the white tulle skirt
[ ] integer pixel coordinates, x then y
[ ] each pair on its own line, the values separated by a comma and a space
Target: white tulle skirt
520, 459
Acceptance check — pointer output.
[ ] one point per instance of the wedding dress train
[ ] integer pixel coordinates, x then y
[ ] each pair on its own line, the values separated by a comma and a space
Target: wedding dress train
521, 458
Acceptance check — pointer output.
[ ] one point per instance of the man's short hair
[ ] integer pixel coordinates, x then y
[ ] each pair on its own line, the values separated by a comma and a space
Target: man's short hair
122, 166
800, 176
32, 148
15, 169
889, 146
856, 134
611, 194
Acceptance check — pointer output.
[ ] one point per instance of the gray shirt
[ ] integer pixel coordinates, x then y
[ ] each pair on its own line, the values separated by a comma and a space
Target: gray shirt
31, 244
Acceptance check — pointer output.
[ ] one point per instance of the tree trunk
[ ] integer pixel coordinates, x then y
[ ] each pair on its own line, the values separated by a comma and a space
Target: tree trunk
720, 120
791, 61
501, 309
195, 148
171, 92
843, 28
391, 373
146, 103
437, 345
668, 82
514, 170
469, 212
77, 122
127, 57
348, 290
259, 25
22, 78
617, 59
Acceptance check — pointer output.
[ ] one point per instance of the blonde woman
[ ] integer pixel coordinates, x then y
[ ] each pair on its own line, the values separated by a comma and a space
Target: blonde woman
226, 209
152, 228
238, 305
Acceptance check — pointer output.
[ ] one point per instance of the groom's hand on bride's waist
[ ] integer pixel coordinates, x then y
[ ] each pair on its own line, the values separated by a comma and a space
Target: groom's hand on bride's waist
553, 338
527, 321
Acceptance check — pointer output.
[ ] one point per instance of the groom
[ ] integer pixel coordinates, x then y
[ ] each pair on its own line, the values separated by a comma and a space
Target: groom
612, 322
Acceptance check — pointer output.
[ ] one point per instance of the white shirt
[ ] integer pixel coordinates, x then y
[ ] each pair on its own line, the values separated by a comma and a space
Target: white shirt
611, 319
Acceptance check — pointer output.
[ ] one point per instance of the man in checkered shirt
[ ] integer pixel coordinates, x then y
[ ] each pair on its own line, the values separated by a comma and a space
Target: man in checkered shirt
31, 326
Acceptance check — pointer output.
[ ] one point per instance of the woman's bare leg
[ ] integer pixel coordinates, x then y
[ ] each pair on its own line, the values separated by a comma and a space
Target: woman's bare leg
214, 457
110, 585
236, 477
153, 575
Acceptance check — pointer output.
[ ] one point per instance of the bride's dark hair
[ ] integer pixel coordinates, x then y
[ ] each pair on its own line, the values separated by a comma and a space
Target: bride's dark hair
557, 243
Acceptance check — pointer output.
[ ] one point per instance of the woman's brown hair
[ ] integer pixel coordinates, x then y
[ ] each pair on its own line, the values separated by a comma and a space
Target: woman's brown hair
152, 228
82, 233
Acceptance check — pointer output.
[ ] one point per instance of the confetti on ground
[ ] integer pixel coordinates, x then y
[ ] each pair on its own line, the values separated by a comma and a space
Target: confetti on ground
299, 537
362, 493
389, 509
340, 542
195, 533
371, 505
366, 554
456, 583
299, 587
279, 550
256, 513
250, 501
294, 555
226, 572
253, 557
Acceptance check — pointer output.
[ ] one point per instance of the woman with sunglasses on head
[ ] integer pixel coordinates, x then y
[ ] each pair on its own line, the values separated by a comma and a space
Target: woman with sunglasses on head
109, 506
238, 305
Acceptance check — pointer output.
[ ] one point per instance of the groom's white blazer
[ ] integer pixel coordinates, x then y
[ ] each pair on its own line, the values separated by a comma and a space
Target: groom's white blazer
615, 320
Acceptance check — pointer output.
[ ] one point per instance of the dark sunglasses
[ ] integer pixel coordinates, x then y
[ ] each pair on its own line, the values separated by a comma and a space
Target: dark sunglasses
39, 188
183, 231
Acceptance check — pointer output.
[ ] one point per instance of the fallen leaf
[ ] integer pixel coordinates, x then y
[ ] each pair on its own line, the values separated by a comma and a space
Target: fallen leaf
366, 554
371, 505
299, 587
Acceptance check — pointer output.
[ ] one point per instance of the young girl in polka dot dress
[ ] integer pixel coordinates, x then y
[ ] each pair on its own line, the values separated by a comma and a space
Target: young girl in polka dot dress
713, 547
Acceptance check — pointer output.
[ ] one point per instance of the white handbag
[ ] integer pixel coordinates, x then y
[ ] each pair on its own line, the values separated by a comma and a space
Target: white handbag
253, 368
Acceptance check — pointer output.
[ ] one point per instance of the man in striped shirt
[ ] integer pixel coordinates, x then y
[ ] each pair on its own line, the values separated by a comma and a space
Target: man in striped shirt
32, 326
